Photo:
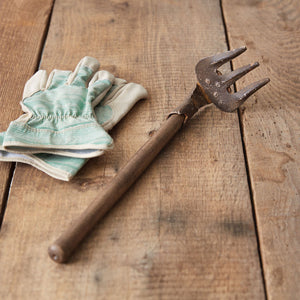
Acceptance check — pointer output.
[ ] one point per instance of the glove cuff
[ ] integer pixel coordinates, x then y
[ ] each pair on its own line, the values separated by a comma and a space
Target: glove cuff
22, 138
59, 167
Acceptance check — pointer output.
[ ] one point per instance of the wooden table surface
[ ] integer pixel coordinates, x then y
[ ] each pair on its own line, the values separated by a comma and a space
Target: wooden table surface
216, 216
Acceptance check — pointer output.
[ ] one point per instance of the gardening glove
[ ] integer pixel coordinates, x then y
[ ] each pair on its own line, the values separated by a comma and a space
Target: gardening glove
117, 102
59, 112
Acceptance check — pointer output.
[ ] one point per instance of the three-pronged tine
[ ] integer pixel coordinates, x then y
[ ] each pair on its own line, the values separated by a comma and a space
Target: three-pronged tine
215, 85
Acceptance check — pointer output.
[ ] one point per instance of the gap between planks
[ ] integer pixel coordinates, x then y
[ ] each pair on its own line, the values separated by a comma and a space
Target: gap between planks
13, 166
6, 192
241, 126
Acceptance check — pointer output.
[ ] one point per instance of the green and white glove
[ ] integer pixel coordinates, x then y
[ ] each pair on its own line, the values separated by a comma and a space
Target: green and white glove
117, 102
59, 112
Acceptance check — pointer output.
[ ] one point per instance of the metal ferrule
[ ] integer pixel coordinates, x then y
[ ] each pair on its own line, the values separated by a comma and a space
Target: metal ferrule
191, 105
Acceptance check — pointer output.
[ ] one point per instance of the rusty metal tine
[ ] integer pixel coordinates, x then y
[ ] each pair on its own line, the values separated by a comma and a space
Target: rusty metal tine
246, 92
233, 76
215, 85
220, 59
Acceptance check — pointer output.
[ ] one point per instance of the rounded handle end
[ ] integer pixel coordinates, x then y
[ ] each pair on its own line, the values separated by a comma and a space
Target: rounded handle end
56, 253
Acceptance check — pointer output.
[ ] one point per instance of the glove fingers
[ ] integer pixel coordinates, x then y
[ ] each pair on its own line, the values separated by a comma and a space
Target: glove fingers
118, 84
101, 75
117, 104
36, 83
83, 72
99, 86
57, 78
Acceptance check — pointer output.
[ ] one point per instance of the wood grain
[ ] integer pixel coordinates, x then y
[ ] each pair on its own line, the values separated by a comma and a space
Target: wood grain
185, 229
271, 30
22, 27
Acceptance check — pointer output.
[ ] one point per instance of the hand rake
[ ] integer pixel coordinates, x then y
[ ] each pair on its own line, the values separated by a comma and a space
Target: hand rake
212, 87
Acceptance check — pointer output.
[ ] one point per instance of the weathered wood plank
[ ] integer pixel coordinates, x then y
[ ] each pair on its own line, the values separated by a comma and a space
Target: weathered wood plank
22, 27
271, 30
185, 230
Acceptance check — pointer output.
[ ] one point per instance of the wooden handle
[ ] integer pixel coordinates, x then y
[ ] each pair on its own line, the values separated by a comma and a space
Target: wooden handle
63, 247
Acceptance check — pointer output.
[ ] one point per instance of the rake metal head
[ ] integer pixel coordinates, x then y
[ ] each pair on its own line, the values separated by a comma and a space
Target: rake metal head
215, 86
